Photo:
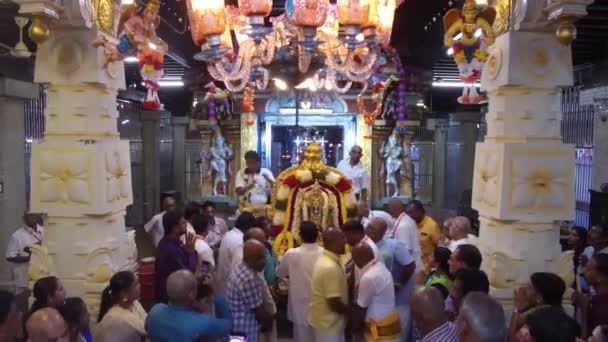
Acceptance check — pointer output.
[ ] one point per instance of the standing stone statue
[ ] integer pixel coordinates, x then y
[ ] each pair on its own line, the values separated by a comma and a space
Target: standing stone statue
393, 153
220, 155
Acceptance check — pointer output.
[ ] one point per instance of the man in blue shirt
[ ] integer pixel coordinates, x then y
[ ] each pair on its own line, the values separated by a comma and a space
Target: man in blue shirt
178, 320
398, 258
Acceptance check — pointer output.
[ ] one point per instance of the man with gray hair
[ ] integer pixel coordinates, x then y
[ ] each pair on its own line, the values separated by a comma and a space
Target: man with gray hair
460, 232
353, 169
481, 319
181, 319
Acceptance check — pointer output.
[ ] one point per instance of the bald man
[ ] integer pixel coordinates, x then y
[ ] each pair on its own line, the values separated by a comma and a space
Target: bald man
47, 325
180, 320
375, 311
268, 275
429, 317
353, 169
154, 227
245, 292
366, 215
402, 265
328, 307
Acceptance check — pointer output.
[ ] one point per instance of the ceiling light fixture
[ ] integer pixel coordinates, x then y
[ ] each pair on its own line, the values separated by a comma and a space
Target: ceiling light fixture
349, 54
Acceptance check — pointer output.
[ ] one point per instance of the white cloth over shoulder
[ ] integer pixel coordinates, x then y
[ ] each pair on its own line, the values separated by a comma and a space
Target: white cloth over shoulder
297, 264
356, 173
205, 253
229, 247
405, 229
375, 292
383, 215
216, 232
155, 229
20, 239
258, 196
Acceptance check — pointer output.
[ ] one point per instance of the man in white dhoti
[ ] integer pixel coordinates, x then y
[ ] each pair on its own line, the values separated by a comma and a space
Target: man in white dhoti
297, 265
375, 311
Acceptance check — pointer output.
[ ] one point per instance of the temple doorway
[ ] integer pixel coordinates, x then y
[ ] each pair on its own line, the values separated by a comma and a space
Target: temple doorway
284, 142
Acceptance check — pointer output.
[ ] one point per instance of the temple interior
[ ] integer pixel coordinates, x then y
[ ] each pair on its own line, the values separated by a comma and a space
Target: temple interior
496, 112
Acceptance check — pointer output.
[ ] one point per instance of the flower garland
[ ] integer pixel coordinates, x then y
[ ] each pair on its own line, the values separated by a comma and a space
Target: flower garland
302, 178
370, 116
247, 104
211, 107
400, 127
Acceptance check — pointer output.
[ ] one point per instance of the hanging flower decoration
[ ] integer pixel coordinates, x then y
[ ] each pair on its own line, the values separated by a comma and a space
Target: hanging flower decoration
247, 104
470, 51
370, 116
211, 109
150, 61
401, 89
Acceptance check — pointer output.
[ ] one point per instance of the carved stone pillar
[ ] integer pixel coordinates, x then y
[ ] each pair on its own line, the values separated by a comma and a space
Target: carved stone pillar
81, 171
405, 180
363, 130
249, 138
381, 131
151, 161
523, 180
180, 133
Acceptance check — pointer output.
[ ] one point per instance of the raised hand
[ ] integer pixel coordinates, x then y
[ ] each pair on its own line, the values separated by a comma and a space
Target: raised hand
190, 241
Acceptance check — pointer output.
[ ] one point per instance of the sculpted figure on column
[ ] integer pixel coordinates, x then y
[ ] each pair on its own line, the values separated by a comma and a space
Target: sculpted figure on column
220, 154
393, 153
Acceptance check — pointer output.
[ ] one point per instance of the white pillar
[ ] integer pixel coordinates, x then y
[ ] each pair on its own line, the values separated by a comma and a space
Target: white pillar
523, 180
81, 171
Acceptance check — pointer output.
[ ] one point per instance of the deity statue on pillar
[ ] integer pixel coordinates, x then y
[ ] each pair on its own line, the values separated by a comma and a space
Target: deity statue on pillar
220, 154
396, 163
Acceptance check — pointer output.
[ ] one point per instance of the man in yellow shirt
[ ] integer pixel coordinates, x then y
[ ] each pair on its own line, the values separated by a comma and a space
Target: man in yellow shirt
329, 302
427, 228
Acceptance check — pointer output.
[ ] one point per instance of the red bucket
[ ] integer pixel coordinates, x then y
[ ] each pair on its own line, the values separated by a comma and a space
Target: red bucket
146, 279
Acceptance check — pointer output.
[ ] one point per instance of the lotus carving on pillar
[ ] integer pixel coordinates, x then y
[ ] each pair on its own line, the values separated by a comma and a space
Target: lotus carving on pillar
486, 179
99, 265
64, 177
117, 177
539, 182
41, 263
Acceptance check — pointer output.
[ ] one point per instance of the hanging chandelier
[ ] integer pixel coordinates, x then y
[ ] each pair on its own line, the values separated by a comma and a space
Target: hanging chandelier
238, 47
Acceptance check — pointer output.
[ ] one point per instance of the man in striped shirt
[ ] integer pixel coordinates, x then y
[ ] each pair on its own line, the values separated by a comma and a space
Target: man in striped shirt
429, 317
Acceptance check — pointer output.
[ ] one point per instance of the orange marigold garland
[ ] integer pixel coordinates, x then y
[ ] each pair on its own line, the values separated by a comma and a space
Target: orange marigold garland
370, 116
247, 104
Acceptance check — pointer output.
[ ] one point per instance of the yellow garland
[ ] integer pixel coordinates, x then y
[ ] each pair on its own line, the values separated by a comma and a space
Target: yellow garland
481, 55
285, 237
460, 57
